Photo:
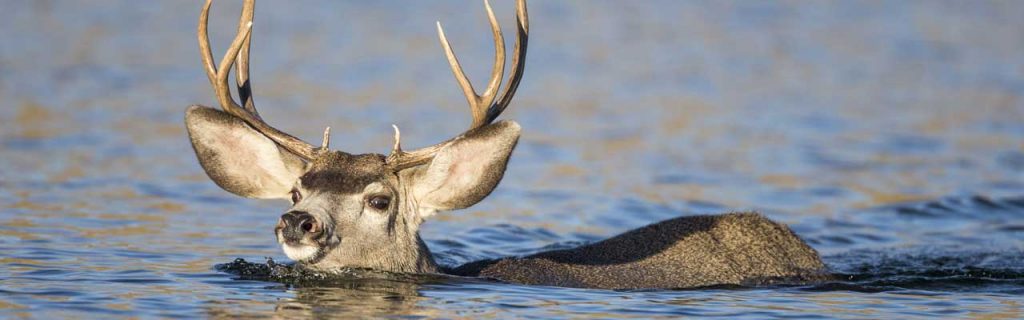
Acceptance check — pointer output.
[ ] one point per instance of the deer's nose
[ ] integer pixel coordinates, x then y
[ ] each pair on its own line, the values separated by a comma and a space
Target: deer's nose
297, 224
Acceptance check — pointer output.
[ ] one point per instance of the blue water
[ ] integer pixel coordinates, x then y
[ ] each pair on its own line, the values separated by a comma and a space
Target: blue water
888, 135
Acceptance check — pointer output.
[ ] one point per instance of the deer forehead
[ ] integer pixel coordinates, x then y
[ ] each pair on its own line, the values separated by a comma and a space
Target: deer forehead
341, 173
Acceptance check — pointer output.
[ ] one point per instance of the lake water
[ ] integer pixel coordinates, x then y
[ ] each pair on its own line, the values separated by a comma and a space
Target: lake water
888, 135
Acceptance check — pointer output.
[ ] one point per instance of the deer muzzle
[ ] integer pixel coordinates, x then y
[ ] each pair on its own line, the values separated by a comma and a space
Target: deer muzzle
295, 226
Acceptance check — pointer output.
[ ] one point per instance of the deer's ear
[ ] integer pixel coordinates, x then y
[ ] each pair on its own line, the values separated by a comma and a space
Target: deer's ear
238, 158
466, 171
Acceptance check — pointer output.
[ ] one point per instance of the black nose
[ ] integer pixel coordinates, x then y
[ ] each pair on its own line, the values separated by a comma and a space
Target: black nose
297, 224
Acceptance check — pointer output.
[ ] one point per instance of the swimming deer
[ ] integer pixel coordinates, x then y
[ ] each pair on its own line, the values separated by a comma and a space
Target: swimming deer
365, 210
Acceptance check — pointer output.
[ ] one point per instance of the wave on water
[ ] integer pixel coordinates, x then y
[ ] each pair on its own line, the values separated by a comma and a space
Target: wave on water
931, 269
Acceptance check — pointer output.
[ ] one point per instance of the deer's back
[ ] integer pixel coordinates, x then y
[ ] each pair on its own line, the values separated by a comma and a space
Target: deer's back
692, 251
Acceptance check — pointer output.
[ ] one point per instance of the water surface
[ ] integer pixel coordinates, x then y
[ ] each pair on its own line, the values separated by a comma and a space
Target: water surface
888, 135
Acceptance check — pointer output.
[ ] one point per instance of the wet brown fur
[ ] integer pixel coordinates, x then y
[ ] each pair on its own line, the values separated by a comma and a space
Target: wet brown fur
692, 251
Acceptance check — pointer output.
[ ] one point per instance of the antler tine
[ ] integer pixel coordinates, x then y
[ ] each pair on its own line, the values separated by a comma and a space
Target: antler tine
219, 77
518, 62
242, 63
219, 81
207, 55
487, 98
484, 108
478, 104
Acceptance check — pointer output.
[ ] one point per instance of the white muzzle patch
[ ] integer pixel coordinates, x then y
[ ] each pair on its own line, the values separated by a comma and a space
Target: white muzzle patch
300, 252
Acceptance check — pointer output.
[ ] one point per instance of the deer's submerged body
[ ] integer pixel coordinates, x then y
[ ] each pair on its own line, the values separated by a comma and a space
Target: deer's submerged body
365, 210
684, 252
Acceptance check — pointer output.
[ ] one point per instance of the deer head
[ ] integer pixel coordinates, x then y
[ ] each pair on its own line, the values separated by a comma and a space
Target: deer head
353, 210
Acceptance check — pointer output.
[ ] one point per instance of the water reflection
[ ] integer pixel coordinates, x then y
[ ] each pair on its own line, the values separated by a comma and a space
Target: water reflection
363, 298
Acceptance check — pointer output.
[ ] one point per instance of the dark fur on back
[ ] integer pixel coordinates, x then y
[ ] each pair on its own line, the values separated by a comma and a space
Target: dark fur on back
692, 251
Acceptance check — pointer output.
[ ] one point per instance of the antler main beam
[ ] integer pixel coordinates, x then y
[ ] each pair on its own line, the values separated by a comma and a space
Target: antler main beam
485, 107
239, 51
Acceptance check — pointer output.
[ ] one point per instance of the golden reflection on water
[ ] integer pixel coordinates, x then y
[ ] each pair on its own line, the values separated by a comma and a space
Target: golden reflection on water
360, 300
32, 120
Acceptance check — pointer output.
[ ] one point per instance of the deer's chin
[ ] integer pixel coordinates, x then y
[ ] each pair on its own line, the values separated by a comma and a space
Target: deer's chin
300, 253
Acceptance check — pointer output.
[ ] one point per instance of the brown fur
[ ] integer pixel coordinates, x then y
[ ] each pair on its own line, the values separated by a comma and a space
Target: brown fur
692, 251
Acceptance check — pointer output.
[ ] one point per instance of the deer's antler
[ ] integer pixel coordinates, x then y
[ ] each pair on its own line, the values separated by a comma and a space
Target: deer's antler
485, 107
239, 52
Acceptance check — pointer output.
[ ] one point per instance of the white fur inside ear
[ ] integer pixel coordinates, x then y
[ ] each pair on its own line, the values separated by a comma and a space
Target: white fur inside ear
466, 171
255, 156
455, 169
238, 158
431, 183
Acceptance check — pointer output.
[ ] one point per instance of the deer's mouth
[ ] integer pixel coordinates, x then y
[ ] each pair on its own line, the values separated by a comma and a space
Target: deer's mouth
307, 250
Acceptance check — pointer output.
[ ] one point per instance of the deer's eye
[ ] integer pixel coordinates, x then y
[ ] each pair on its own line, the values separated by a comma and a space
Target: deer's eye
296, 196
379, 202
